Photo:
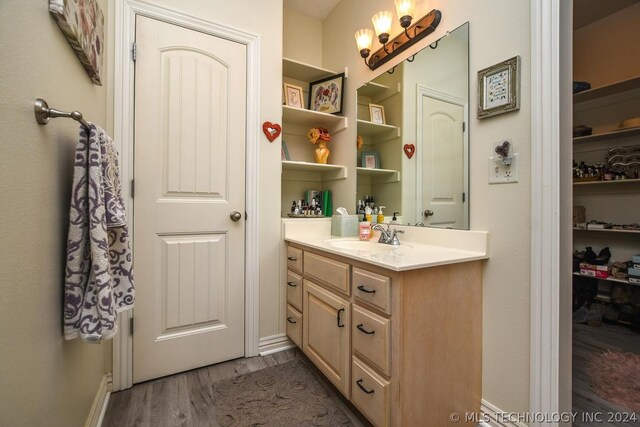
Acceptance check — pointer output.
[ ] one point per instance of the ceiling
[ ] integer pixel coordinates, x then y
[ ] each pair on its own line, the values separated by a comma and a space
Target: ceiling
318, 9
587, 11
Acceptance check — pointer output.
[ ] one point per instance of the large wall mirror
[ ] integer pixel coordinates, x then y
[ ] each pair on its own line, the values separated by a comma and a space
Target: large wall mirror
413, 138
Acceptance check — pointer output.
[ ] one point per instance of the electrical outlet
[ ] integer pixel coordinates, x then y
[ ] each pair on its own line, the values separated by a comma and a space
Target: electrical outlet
499, 173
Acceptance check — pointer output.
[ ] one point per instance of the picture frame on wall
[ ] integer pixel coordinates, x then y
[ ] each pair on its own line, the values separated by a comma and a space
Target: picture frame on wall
376, 114
370, 160
325, 95
499, 88
293, 96
82, 23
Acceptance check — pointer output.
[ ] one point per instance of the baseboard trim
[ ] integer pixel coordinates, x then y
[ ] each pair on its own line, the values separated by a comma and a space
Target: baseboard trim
274, 343
491, 419
99, 406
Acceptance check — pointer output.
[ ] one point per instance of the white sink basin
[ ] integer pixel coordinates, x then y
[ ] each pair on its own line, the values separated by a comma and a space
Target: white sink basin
358, 245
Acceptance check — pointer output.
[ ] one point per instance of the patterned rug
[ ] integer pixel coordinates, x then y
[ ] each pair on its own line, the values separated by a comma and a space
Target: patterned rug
615, 376
290, 394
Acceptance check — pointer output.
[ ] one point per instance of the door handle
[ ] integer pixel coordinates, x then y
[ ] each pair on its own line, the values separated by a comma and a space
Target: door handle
363, 330
340, 325
290, 320
359, 383
365, 290
428, 213
235, 216
293, 285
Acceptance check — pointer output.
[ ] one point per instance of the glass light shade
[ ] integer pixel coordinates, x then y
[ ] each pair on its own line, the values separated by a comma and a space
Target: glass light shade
364, 38
382, 22
405, 7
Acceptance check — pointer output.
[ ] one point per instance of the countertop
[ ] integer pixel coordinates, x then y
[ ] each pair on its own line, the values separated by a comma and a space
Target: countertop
410, 255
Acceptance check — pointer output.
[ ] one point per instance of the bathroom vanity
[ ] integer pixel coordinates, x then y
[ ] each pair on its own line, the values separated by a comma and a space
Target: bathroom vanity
398, 330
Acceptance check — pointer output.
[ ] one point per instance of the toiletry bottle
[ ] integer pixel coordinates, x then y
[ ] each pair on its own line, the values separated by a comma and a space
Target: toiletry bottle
367, 213
394, 220
365, 230
381, 215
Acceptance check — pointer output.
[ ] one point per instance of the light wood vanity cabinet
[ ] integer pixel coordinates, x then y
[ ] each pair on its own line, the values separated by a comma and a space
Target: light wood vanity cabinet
404, 347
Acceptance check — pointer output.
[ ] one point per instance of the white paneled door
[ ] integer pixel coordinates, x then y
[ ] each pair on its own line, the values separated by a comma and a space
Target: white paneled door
442, 163
190, 107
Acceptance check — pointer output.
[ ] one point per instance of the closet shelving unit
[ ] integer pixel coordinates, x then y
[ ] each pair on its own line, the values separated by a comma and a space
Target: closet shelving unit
608, 100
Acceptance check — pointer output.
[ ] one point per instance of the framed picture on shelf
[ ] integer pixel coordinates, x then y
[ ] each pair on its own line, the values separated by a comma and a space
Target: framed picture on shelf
325, 95
376, 114
293, 96
284, 152
499, 88
370, 160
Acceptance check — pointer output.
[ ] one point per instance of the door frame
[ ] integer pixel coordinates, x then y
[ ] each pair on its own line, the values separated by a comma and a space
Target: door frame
551, 200
421, 92
125, 18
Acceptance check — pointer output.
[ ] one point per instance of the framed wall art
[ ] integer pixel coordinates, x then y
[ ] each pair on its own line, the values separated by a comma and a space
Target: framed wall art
326, 95
499, 88
376, 114
83, 25
293, 96
370, 160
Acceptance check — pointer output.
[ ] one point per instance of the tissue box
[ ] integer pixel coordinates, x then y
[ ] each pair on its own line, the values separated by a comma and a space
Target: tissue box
344, 225
634, 275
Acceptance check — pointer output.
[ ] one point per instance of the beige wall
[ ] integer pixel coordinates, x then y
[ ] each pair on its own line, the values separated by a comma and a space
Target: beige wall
597, 48
263, 18
499, 29
46, 381
304, 38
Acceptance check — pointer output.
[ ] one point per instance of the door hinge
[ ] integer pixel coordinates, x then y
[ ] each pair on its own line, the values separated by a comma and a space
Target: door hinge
134, 51
464, 126
131, 325
133, 188
464, 197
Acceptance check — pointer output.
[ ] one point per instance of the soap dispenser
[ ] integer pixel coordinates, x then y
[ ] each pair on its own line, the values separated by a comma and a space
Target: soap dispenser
381, 215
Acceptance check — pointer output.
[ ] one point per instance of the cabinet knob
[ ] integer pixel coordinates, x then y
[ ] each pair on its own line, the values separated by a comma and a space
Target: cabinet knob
235, 216
428, 213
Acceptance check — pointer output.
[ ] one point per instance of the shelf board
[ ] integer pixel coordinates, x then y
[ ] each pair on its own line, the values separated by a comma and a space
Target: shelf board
607, 90
385, 175
608, 230
304, 117
608, 279
368, 128
372, 89
328, 171
305, 72
616, 182
623, 133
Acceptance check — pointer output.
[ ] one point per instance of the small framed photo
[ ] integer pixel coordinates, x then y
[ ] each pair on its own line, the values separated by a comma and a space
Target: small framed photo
499, 88
370, 160
376, 113
284, 152
293, 96
326, 95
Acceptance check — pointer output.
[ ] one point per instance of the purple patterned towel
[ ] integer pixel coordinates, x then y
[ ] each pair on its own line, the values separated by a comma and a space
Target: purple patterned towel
99, 274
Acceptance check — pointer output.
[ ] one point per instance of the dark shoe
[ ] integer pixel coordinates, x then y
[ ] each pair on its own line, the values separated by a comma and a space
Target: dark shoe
589, 255
595, 314
581, 315
603, 257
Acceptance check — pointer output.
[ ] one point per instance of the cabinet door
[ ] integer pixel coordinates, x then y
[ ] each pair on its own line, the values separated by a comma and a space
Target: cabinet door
326, 334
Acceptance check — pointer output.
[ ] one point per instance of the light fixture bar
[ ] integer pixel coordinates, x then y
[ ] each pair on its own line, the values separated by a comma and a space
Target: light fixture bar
420, 29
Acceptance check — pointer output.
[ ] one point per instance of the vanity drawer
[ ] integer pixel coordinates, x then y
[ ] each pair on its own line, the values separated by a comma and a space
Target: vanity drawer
370, 393
294, 325
371, 338
327, 271
294, 289
294, 259
372, 288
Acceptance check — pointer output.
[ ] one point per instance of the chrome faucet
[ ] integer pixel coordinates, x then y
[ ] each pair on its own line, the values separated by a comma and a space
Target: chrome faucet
388, 236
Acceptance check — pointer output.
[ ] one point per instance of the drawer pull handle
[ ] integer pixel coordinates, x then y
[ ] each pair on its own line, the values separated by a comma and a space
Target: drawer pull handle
292, 258
290, 320
361, 329
365, 290
293, 285
359, 383
338, 318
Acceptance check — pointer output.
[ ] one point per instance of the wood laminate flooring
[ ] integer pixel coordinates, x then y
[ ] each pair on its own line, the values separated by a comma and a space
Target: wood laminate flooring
588, 340
185, 399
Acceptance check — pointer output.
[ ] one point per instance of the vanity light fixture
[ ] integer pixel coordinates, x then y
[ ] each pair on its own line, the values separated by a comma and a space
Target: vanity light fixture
382, 22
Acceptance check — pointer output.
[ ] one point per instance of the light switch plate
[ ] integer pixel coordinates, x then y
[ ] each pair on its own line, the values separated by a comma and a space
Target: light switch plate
500, 173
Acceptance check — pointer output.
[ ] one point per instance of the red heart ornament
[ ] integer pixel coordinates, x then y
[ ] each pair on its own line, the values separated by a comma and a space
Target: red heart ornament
409, 150
271, 130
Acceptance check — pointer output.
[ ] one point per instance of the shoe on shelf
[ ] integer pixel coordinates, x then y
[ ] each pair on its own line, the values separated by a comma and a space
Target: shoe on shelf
603, 257
589, 255
581, 315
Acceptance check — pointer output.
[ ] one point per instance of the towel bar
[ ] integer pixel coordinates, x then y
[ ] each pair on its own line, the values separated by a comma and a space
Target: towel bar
44, 113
